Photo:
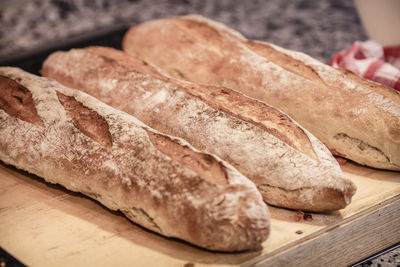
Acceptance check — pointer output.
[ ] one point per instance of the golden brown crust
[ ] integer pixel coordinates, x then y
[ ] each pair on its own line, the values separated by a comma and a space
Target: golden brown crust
224, 99
204, 164
266, 117
215, 206
261, 142
130, 62
86, 120
285, 61
17, 101
355, 118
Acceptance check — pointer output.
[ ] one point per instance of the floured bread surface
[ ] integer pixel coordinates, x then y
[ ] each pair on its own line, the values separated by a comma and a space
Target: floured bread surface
353, 117
158, 181
290, 166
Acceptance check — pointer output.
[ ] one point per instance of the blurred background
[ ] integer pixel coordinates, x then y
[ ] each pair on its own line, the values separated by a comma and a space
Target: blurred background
31, 29
318, 28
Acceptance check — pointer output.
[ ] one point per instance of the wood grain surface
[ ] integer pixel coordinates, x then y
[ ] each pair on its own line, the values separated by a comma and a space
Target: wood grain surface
45, 225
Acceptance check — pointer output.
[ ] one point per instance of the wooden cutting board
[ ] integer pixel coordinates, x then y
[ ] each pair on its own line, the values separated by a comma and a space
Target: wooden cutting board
46, 225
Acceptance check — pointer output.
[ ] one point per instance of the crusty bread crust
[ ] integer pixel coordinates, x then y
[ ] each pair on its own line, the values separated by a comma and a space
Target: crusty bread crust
353, 117
290, 167
156, 180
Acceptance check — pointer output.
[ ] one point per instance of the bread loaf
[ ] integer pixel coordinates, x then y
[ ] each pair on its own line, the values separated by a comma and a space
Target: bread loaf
160, 182
353, 117
290, 167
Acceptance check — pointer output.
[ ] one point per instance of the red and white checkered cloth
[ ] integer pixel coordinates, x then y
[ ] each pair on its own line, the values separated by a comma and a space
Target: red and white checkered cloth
372, 61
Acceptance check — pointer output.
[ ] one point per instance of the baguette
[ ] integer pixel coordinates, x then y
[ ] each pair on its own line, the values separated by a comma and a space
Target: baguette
160, 182
355, 118
290, 167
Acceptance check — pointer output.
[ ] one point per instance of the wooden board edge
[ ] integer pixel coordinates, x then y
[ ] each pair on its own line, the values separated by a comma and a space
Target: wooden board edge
355, 238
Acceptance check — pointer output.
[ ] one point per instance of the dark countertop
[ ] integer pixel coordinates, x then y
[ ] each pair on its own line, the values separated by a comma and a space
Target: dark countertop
318, 28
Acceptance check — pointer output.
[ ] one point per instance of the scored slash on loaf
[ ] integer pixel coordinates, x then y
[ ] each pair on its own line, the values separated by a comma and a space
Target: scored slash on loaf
160, 182
290, 167
355, 118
